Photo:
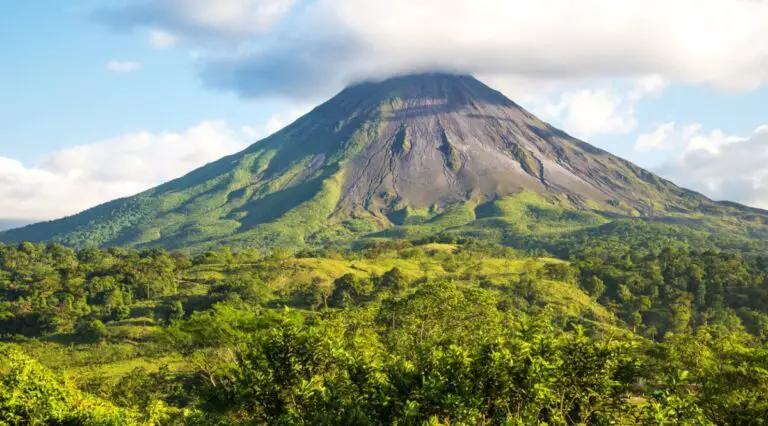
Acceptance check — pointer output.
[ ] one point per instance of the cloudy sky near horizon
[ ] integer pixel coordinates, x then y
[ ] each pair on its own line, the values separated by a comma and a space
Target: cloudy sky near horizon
105, 98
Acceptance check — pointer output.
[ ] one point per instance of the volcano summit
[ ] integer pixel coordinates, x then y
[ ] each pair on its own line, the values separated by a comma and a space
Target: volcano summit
408, 156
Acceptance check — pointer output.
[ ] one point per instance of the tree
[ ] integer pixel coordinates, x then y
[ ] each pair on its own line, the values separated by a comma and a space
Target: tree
120, 313
560, 272
440, 313
680, 308
594, 286
173, 311
140, 389
91, 330
316, 294
347, 289
395, 280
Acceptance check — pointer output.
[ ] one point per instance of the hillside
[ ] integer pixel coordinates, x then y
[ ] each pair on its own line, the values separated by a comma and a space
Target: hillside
392, 333
409, 157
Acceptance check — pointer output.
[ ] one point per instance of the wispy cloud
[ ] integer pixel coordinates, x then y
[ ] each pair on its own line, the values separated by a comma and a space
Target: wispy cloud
123, 66
200, 19
76, 178
587, 112
722, 166
162, 40
659, 139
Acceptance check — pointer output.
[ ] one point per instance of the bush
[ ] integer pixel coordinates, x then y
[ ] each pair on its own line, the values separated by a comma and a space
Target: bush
348, 288
91, 330
120, 313
32, 395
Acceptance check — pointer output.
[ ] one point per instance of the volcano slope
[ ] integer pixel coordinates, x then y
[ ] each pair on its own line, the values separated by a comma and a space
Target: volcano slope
408, 157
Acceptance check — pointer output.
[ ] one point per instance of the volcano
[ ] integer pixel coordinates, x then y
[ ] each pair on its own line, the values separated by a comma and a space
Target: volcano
411, 154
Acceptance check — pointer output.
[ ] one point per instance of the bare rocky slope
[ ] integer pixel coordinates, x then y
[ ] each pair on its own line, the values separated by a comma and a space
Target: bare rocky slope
429, 151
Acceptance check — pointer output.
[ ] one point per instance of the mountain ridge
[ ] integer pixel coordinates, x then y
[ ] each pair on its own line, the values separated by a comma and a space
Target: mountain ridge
380, 155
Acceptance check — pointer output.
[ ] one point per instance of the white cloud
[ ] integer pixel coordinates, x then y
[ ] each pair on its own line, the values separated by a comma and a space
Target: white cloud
722, 166
528, 90
76, 178
712, 142
649, 85
287, 47
691, 130
656, 140
123, 66
201, 18
162, 39
261, 48
589, 112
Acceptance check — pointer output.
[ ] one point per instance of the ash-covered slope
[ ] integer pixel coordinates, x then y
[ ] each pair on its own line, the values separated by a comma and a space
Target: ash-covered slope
375, 154
444, 139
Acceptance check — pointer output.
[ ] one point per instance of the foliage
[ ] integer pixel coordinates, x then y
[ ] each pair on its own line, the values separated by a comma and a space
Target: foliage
91, 330
392, 333
29, 394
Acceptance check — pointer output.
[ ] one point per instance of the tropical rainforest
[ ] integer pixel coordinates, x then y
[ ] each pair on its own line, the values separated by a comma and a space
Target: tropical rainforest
442, 331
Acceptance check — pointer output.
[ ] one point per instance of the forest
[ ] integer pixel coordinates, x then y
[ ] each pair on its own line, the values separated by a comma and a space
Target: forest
443, 331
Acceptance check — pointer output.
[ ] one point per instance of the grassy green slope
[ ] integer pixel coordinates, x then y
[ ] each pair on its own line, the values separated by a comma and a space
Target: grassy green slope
275, 193
133, 342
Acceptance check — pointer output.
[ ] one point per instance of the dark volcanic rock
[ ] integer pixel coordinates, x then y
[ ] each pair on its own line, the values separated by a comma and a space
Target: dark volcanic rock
465, 140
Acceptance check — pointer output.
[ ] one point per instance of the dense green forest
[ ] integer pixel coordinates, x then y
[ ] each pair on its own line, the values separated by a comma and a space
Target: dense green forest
440, 331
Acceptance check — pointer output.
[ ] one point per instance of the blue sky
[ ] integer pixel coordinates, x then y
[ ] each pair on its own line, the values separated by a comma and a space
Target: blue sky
106, 98
53, 68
